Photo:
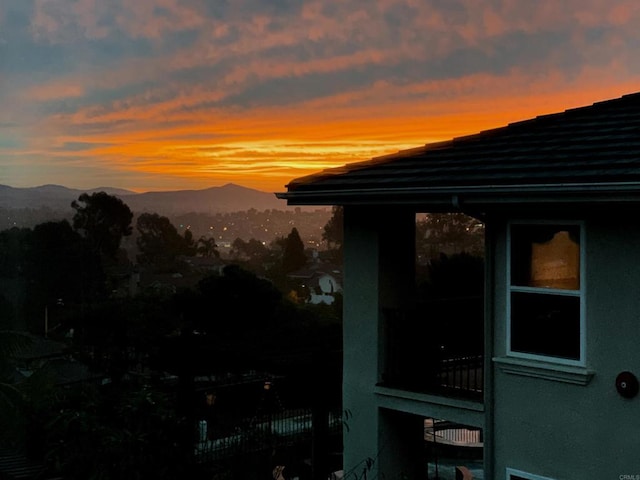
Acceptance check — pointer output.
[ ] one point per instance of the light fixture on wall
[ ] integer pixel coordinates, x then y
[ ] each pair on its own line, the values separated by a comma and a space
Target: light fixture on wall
627, 384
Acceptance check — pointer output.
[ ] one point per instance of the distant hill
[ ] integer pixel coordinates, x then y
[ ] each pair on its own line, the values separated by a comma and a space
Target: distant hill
226, 199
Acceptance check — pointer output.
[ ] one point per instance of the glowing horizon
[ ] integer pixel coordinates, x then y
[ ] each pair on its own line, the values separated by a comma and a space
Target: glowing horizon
169, 95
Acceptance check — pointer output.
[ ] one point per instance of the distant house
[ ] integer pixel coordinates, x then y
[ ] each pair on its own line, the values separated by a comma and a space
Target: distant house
559, 196
325, 287
322, 283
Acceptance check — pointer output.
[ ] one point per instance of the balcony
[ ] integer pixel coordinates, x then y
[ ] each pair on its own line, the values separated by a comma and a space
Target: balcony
436, 348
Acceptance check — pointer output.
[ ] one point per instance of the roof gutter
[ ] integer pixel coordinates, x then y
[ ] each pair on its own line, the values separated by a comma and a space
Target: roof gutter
619, 191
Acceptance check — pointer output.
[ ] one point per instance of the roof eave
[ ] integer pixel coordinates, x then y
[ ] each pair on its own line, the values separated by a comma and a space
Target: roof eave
451, 196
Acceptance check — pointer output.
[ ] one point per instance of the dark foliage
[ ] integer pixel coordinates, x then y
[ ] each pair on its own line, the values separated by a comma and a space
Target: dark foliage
14, 249
61, 268
333, 232
293, 256
159, 242
127, 432
458, 275
452, 294
207, 247
103, 220
448, 233
232, 322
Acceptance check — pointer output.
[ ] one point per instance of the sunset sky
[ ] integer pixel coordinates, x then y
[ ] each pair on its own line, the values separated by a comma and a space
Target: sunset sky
189, 94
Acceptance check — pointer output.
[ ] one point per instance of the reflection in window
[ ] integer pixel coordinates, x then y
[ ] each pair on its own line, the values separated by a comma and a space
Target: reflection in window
546, 256
545, 291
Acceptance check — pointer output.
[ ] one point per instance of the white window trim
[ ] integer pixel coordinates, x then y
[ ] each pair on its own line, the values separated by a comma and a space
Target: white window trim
528, 476
545, 370
581, 293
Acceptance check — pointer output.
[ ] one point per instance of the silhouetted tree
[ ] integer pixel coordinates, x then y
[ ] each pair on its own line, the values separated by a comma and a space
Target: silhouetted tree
18, 398
333, 232
14, 247
453, 294
457, 275
251, 250
207, 247
190, 247
237, 248
159, 241
60, 265
14, 255
129, 432
448, 233
293, 256
242, 300
103, 220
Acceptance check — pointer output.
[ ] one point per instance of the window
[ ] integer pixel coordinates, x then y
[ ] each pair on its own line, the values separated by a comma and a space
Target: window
546, 292
513, 474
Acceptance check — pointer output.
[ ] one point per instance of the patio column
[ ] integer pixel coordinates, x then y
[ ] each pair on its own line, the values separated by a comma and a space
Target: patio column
402, 445
379, 259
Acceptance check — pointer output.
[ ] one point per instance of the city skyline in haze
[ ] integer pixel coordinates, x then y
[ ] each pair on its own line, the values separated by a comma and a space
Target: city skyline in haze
172, 95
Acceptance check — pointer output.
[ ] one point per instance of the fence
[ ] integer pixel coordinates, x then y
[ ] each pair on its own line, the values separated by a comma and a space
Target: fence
266, 431
449, 433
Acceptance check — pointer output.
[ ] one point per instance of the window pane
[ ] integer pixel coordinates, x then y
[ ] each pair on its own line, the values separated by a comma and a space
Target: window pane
545, 256
545, 324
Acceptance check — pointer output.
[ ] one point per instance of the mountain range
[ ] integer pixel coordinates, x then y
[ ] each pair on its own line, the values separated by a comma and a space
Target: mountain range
225, 199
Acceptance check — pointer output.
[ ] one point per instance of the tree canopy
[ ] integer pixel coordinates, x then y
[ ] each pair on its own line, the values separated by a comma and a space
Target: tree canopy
103, 220
159, 241
232, 322
250, 250
60, 265
207, 247
293, 256
333, 232
14, 250
448, 233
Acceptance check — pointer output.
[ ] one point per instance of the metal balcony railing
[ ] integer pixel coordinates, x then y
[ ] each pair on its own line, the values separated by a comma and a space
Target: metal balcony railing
436, 348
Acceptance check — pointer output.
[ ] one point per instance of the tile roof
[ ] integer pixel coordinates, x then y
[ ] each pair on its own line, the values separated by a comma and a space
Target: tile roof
588, 151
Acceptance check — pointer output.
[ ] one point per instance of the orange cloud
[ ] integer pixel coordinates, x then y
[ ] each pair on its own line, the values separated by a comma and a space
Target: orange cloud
269, 146
368, 81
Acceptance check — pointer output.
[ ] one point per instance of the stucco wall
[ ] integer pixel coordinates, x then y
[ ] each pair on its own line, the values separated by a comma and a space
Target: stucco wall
360, 339
567, 431
378, 274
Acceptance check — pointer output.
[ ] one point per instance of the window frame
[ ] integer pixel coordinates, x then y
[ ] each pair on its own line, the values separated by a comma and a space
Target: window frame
525, 475
579, 293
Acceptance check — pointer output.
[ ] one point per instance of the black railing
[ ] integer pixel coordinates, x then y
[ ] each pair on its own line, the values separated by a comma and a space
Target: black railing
436, 348
464, 374
266, 431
